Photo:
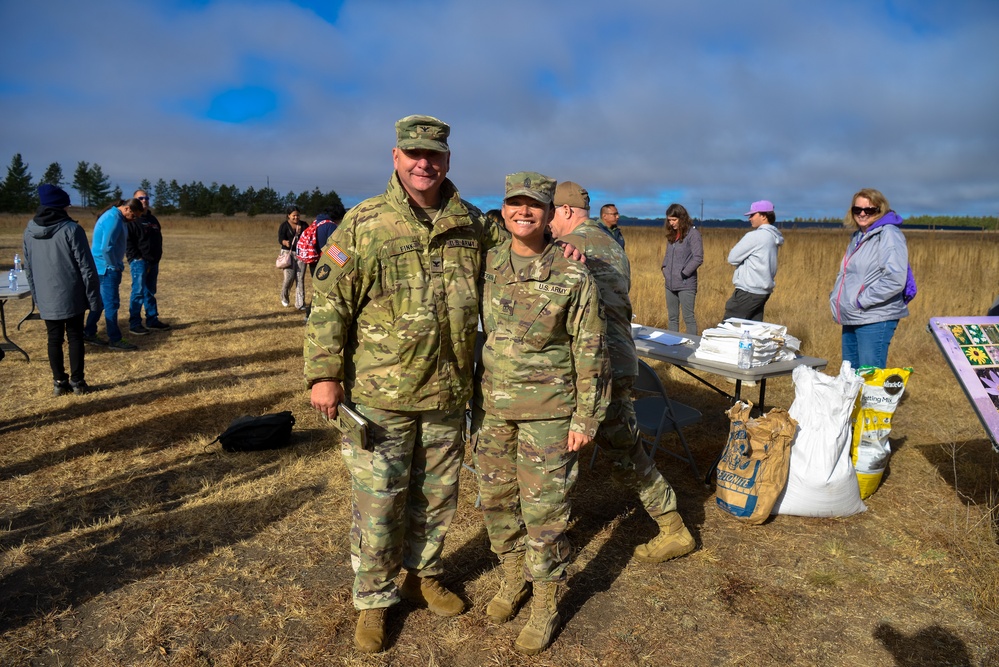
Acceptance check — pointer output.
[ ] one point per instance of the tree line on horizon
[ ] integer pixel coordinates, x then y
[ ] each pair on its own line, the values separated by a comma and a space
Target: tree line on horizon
18, 193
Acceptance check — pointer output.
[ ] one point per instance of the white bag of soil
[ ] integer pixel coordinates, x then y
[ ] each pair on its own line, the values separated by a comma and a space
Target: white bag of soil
821, 480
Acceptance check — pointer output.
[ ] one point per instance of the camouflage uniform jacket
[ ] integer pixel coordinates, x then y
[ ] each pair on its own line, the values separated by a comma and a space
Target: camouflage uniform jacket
615, 232
545, 354
395, 308
611, 271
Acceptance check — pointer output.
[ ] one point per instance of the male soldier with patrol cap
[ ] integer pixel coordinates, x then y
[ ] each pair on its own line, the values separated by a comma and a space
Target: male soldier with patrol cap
544, 388
392, 332
618, 434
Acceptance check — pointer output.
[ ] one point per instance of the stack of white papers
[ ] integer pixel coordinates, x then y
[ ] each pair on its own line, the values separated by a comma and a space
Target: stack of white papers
656, 335
771, 342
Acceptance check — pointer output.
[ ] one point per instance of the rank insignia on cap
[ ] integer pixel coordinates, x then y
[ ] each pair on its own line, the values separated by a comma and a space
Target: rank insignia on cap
337, 255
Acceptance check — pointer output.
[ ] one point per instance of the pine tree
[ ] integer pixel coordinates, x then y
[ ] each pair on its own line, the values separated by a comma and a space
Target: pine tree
17, 195
100, 185
146, 186
53, 175
82, 183
161, 197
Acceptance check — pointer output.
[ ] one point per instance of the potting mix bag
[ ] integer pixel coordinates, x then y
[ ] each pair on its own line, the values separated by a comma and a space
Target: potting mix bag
870, 449
821, 480
753, 468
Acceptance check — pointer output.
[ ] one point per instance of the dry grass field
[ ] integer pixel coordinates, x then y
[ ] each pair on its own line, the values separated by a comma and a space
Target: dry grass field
126, 538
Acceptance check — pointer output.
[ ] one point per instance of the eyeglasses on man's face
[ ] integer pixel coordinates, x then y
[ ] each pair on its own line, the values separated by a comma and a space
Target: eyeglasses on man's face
143, 198
865, 210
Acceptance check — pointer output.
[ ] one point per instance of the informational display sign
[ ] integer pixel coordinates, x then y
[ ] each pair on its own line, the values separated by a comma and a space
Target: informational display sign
971, 347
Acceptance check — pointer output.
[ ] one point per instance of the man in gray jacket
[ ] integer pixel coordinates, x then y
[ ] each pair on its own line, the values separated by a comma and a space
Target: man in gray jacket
755, 260
64, 283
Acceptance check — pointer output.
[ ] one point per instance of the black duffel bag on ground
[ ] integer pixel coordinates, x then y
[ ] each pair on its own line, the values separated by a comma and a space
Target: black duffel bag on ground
252, 434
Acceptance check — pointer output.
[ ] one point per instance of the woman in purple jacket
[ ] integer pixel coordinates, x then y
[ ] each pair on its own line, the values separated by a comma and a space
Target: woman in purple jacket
874, 283
684, 254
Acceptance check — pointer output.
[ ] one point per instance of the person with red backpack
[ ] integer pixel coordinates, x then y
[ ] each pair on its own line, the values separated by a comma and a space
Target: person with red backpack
312, 240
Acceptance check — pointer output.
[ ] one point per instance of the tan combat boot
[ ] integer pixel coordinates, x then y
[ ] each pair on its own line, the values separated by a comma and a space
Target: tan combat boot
369, 636
512, 593
673, 540
428, 591
544, 621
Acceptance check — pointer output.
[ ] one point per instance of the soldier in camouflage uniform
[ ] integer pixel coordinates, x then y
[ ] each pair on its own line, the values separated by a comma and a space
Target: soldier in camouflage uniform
544, 385
618, 434
392, 332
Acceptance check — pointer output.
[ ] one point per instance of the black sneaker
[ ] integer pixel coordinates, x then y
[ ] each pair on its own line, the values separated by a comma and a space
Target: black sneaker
61, 388
122, 345
80, 387
139, 330
157, 326
95, 340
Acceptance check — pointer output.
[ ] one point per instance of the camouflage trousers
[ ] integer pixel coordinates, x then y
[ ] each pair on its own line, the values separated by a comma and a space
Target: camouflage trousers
525, 475
404, 493
633, 468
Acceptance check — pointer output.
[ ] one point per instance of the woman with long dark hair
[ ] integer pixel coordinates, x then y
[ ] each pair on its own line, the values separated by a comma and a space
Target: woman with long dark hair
684, 254
288, 234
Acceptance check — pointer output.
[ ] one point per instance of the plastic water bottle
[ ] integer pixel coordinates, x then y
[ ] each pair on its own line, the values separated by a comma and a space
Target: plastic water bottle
745, 350
12, 280
17, 263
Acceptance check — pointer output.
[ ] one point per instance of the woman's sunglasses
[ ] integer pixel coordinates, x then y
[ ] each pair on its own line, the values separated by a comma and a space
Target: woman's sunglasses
868, 210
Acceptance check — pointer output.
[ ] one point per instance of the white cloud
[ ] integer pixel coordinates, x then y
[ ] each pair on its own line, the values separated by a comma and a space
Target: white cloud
801, 103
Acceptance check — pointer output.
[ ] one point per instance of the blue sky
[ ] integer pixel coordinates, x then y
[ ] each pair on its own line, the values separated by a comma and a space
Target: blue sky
643, 102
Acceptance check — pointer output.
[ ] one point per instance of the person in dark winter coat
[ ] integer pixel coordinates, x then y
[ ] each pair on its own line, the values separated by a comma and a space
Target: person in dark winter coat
143, 250
64, 283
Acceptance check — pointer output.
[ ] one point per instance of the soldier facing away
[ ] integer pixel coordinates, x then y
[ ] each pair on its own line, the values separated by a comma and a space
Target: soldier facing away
544, 387
618, 434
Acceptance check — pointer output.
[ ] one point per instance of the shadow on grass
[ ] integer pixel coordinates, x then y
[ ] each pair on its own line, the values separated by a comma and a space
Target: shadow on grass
971, 468
277, 320
129, 492
141, 546
929, 647
143, 436
598, 503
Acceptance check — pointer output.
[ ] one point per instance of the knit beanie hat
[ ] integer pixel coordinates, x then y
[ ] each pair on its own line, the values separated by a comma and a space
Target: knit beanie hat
52, 196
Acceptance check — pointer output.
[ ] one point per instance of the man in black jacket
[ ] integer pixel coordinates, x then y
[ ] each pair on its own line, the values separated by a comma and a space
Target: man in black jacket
144, 250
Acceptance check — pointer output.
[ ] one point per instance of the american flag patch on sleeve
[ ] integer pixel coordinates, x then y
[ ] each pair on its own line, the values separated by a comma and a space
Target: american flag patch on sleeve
337, 255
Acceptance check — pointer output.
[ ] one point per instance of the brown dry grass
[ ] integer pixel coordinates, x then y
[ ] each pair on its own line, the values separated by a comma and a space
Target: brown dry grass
129, 540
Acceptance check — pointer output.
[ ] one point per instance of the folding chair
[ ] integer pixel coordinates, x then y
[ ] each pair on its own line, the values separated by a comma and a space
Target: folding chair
657, 414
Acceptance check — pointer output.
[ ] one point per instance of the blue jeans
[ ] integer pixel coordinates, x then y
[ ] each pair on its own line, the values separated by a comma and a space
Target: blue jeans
143, 295
867, 344
110, 281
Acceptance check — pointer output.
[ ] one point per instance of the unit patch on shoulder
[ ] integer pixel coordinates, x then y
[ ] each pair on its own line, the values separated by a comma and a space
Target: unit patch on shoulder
553, 289
323, 272
337, 255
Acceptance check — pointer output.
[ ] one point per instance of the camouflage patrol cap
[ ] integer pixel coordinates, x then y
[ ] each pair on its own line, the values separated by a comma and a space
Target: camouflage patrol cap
426, 132
573, 194
531, 184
